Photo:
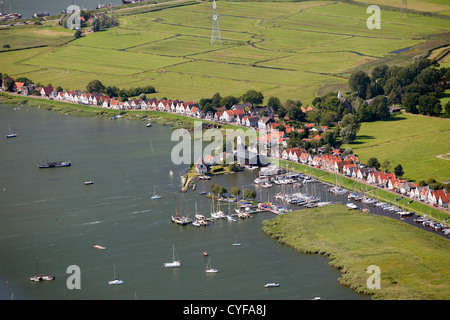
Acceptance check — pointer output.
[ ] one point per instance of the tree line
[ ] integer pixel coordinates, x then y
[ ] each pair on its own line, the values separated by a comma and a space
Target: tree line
417, 86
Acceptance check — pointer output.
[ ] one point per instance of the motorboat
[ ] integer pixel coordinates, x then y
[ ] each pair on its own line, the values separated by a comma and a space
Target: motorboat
271, 285
352, 205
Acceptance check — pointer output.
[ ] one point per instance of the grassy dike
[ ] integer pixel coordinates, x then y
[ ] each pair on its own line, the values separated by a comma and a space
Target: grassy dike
413, 262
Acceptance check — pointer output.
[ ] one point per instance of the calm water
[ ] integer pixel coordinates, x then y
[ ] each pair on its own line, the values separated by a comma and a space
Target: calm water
51, 215
29, 7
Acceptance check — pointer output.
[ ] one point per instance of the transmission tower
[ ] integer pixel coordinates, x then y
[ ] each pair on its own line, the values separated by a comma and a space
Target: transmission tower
406, 8
112, 20
215, 27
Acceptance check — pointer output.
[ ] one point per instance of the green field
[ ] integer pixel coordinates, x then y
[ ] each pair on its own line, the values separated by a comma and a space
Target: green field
293, 50
413, 141
413, 263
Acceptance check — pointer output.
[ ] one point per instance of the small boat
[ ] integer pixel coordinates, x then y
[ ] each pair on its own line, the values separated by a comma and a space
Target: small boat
115, 281
352, 205
41, 278
148, 125
171, 173
271, 285
11, 135
230, 218
174, 263
235, 243
205, 254
88, 182
209, 268
99, 247
55, 164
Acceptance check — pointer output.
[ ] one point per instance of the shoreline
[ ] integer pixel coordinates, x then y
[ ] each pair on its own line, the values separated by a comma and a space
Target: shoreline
176, 121
406, 273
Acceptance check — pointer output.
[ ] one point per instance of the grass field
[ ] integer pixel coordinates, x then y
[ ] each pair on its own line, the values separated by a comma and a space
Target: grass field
413, 141
293, 50
413, 263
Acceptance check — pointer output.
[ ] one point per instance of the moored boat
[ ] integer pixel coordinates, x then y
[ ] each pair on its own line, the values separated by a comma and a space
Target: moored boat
54, 164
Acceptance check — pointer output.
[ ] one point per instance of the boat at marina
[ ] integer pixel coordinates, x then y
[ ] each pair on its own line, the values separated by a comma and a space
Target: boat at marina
209, 268
352, 205
174, 263
54, 164
115, 281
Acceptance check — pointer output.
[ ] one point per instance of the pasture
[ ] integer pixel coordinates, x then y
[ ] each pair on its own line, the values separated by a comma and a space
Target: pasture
414, 141
292, 50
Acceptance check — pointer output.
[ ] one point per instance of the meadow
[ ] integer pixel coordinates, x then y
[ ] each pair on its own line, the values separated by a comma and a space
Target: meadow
413, 263
292, 50
413, 141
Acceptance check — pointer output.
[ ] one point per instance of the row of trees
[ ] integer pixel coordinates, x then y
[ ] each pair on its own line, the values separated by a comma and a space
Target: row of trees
220, 190
95, 86
418, 86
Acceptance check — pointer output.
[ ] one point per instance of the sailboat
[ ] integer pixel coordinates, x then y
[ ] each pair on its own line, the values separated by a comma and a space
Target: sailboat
155, 196
171, 173
11, 135
235, 243
115, 281
209, 268
174, 263
41, 278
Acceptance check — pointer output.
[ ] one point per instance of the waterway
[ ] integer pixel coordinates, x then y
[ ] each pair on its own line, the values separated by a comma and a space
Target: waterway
29, 7
51, 215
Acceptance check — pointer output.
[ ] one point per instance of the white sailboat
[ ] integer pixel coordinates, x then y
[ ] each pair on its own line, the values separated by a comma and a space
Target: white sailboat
115, 281
11, 135
155, 196
235, 243
174, 263
209, 268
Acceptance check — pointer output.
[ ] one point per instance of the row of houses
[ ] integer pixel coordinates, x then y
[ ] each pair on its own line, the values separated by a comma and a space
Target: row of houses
349, 166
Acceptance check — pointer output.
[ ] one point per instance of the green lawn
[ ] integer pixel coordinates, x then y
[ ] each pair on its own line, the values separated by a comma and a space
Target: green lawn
410, 140
413, 263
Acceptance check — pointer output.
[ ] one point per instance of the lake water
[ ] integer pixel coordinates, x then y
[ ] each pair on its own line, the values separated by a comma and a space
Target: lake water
29, 7
51, 215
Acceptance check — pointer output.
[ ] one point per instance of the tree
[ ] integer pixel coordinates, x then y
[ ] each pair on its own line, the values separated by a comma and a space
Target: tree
386, 165
228, 102
373, 163
410, 101
359, 82
274, 103
9, 84
95, 86
447, 110
222, 190
215, 100
379, 108
398, 171
214, 188
77, 34
254, 97
235, 191
349, 128
95, 25
429, 105
249, 194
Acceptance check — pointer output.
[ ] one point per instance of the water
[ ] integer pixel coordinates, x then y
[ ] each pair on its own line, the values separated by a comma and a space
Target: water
29, 7
51, 215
